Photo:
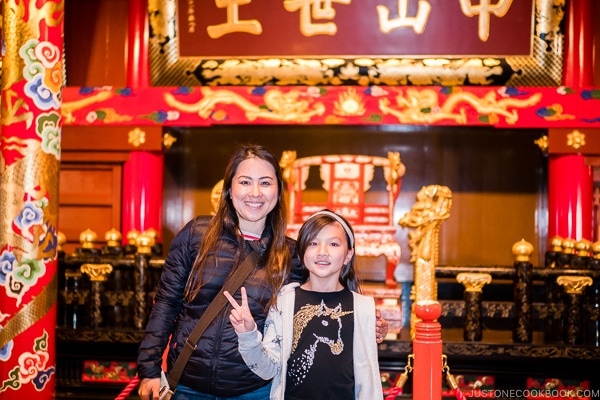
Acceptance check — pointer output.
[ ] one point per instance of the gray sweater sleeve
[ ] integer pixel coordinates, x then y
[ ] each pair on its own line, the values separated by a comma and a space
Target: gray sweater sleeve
263, 354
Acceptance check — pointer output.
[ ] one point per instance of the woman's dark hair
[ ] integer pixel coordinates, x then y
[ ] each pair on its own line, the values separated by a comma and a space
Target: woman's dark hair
226, 218
311, 228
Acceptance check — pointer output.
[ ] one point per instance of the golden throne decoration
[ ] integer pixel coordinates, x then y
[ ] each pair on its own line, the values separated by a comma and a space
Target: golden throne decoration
342, 183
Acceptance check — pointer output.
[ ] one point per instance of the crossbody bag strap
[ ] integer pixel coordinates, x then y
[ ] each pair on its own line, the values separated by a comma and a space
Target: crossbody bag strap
232, 284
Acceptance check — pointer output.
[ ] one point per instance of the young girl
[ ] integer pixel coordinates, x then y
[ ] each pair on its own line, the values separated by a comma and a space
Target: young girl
319, 340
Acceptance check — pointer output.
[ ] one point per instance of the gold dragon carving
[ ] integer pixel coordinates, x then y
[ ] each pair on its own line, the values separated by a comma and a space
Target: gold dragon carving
26, 24
16, 110
423, 106
68, 108
28, 177
287, 160
16, 30
280, 106
426, 216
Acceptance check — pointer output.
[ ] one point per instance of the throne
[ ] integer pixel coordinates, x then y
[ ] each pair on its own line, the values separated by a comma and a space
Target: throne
343, 184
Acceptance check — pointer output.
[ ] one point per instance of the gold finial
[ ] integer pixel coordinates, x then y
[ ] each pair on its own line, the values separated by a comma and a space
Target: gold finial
61, 240
522, 250
87, 238
473, 281
144, 244
152, 233
596, 250
97, 272
568, 246
574, 284
113, 238
132, 236
556, 244
583, 247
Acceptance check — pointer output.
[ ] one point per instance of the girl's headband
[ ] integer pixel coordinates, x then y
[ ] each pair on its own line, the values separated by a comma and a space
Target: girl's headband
340, 220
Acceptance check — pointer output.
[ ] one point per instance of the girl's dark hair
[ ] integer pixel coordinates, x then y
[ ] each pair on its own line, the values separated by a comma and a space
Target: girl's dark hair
311, 228
277, 262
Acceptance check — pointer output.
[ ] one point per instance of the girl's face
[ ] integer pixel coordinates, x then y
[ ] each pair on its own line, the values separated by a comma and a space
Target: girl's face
325, 256
254, 193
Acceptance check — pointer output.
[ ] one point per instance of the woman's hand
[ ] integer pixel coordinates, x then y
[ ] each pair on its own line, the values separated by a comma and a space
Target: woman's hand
240, 316
149, 389
381, 327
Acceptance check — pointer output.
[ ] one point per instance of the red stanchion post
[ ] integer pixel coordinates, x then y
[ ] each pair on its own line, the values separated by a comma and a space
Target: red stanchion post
427, 349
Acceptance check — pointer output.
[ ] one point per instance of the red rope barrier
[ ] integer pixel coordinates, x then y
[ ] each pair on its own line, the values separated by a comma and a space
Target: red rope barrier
459, 394
393, 393
129, 388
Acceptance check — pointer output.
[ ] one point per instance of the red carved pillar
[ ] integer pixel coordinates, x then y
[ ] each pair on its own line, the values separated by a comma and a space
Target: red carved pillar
579, 44
570, 182
137, 44
427, 349
142, 191
143, 172
32, 79
570, 197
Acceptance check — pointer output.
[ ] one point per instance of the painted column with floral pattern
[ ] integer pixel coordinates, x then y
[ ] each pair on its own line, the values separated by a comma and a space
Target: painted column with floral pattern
31, 99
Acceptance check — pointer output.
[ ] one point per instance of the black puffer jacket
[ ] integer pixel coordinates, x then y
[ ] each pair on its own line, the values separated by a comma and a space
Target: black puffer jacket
216, 366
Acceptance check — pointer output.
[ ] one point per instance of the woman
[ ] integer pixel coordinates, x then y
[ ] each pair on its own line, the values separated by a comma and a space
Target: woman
201, 256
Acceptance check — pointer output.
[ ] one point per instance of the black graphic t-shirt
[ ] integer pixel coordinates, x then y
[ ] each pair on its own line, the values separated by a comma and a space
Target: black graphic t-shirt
320, 366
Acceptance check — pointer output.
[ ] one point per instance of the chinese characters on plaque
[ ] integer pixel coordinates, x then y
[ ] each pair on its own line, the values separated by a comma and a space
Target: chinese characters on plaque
310, 10
282, 28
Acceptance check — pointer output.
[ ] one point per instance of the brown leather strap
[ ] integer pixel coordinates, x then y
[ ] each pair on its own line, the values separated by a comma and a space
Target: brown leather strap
232, 284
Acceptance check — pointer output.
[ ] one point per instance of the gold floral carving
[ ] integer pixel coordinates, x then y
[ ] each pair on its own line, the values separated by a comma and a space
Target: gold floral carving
349, 104
97, 272
543, 143
473, 281
168, 140
280, 106
576, 139
136, 137
574, 284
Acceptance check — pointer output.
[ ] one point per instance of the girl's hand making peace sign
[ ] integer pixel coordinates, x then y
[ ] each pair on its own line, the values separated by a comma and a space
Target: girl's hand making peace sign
240, 316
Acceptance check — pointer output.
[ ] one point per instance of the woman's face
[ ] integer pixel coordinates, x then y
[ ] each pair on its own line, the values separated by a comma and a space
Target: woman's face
254, 193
